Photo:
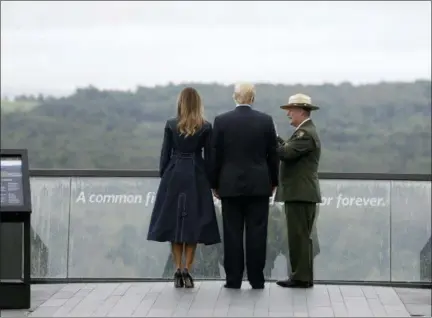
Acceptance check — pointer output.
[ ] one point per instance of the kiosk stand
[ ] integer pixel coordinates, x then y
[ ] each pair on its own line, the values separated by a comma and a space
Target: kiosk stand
15, 212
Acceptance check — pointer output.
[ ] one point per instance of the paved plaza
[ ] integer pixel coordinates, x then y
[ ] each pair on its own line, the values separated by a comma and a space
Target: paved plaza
210, 299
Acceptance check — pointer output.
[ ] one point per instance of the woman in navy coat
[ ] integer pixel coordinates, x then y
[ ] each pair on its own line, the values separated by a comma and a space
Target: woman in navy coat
184, 212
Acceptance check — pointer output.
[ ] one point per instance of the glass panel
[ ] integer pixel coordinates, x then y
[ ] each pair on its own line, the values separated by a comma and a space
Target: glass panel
49, 220
411, 231
110, 218
109, 221
109, 224
354, 231
277, 262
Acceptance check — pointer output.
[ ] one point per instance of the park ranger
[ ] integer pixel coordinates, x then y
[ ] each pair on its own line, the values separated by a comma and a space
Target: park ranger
299, 188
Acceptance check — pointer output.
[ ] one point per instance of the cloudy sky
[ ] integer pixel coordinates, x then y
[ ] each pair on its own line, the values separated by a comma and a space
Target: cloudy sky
57, 46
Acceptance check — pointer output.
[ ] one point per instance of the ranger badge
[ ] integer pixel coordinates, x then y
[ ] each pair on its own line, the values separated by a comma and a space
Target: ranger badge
300, 134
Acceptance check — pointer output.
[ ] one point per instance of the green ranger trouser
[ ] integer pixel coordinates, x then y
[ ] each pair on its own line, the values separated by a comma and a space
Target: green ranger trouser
300, 218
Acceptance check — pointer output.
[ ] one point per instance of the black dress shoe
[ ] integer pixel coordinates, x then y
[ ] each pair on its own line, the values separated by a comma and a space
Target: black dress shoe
178, 279
294, 284
188, 280
232, 286
258, 286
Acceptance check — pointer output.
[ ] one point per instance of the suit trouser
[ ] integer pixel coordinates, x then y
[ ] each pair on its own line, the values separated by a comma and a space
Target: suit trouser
300, 217
250, 213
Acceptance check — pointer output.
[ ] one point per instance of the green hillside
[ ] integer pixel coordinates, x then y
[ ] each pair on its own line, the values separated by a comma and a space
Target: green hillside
17, 106
382, 127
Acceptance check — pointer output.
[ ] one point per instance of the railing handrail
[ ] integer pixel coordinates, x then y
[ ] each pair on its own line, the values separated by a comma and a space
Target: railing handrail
121, 173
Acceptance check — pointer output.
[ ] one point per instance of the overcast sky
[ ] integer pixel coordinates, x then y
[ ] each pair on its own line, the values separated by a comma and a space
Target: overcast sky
57, 46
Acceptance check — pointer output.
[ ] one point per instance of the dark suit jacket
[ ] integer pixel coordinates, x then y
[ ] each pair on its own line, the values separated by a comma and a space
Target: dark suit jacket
300, 157
244, 158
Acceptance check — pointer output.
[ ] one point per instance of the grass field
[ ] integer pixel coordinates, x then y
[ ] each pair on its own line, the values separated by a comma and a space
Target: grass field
17, 106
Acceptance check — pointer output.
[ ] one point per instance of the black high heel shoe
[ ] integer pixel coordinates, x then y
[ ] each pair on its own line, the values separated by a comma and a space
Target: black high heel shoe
178, 279
188, 280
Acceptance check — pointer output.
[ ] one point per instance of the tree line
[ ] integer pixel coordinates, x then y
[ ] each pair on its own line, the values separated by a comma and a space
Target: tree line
383, 128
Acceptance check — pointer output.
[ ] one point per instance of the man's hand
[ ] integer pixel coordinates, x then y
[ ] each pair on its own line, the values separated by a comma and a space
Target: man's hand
280, 141
215, 194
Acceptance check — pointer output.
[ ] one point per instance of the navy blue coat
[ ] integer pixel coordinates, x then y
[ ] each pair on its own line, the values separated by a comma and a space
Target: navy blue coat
184, 211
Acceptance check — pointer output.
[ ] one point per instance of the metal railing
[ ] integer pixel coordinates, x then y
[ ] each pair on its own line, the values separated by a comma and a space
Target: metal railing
114, 173
106, 240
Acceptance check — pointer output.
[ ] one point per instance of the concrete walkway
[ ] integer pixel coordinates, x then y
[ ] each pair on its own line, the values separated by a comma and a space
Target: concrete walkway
210, 299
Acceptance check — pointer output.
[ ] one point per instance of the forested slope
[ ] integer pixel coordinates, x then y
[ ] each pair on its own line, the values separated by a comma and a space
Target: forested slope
370, 128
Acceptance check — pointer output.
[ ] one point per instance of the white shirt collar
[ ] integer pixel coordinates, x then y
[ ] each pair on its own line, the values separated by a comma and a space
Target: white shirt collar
307, 119
237, 105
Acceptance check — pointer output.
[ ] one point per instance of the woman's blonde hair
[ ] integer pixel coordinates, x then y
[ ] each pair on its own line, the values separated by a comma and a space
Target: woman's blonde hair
189, 112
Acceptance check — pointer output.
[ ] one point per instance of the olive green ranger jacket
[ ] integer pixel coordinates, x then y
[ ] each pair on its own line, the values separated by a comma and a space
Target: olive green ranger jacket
298, 171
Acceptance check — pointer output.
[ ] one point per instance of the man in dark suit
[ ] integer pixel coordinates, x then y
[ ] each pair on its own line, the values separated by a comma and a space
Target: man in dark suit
245, 175
299, 188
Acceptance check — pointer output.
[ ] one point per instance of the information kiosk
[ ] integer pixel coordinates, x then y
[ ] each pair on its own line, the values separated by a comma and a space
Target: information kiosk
15, 212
